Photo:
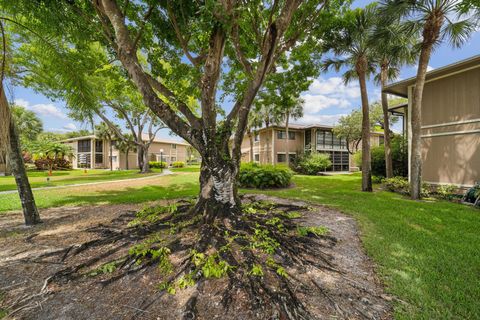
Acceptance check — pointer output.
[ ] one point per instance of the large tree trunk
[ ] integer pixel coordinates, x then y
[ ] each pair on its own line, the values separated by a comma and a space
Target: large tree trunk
126, 159
287, 154
386, 124
140, 158
145, 163
366, 157
17, 167
430, 35
218, 197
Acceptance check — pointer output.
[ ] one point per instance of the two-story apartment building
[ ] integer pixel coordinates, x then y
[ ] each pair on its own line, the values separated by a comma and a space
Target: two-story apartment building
94, 153
450, 127
269, 145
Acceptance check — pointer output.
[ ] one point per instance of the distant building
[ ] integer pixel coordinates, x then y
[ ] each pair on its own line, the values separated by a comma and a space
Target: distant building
450, 128
92, 152
269, 145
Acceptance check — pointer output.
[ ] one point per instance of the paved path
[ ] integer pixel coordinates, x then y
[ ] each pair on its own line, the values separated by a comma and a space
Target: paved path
164, 173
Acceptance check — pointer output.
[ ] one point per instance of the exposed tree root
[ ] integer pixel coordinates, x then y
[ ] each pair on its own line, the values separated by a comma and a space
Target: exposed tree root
259, 252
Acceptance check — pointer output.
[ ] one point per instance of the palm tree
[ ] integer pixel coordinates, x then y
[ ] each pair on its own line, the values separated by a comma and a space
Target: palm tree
27, 122
395, 47
291, 108
352, 44
126, 145
436, 21
9, 143
104, 132
254, 121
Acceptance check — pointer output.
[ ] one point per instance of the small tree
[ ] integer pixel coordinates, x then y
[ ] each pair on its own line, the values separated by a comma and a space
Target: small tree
105, 132
126, 145
51, 152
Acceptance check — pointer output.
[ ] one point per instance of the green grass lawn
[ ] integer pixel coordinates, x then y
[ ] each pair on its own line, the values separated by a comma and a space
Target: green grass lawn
59, 178
428, 253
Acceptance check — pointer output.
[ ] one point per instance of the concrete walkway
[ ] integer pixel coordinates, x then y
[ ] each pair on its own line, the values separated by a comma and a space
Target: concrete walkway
164, 173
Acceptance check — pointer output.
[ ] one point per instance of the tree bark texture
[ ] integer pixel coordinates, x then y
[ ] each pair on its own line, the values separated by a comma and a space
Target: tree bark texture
430, 36
386, 124
17, 166
366, 156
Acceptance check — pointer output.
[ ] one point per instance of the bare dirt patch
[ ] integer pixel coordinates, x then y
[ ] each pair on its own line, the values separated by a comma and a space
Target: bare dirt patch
52, 271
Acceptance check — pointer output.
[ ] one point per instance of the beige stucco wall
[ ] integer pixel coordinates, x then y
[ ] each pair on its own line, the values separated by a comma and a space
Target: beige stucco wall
451, 148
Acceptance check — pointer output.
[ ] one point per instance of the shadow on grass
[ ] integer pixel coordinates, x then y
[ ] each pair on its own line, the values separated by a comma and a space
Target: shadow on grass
128, 195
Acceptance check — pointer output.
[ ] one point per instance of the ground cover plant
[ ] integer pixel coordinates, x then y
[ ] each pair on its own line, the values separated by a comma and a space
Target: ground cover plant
156, 251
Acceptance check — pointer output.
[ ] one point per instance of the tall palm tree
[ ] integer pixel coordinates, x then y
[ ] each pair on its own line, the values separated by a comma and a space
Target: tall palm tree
28, 123
436, 21
291, 108
395, 47
354, 51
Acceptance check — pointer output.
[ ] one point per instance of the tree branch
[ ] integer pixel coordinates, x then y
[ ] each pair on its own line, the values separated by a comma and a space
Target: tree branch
142, 25
196, 61
127, 55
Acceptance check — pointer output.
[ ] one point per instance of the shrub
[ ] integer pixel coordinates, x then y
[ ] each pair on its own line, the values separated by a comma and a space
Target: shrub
446, 192
58, 164
312, 163
397, 184
401, 185
178, 164
472, 194
157, 164
399, 158
253, 175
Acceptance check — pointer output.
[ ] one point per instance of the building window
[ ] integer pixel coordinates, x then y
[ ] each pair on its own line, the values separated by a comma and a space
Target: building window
292, 157
256, 157
281, 157
98, 158
256, 138
281, 134
174, 159
174, 146
326, 140
114, 158
84, 146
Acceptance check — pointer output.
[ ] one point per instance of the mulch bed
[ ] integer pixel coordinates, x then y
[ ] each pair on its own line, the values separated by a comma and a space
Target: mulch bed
51, 271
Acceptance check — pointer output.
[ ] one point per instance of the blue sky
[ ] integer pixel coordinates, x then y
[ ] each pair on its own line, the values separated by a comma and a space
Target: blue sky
326, 100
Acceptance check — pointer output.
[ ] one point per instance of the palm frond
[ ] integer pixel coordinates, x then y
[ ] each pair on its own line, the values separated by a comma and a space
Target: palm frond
457, 33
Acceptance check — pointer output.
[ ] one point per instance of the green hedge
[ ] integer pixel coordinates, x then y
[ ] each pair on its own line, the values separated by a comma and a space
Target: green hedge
157, 164
399, 158
312, 163
253, 175
178, 164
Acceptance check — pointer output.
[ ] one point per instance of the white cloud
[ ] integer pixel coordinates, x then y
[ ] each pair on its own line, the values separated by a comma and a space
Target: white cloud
316, 103
430, 68
70, 127
335, 87
329, 119
48, 110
